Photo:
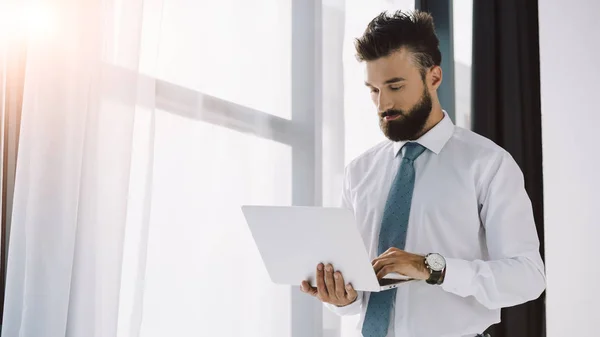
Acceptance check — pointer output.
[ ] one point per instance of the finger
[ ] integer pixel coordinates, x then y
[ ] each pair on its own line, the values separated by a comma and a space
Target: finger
384, 271
375, 260
382, 263
385, 255
329, 282
339, 285
351, 294
391, 250
322, 290
378, 260
307, 288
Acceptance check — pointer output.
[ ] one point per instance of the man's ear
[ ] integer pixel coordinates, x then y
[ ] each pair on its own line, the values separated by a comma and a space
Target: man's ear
434, 77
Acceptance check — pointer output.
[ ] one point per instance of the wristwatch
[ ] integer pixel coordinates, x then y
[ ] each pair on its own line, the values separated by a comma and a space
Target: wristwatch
436, 265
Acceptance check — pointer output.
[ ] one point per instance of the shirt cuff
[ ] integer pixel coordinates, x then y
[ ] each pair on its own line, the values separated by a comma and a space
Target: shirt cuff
458, 278
350, 309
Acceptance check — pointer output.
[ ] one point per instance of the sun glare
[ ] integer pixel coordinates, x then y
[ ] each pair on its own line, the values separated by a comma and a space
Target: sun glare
27, 21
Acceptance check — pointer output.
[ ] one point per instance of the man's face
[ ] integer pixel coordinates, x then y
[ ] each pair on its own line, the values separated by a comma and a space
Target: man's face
398, 91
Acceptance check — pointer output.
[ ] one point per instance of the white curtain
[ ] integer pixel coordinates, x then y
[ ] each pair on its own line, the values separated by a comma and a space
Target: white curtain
71, 195
130, 173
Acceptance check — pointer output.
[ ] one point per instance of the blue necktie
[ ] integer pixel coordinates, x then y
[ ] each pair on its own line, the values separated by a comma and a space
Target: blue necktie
394, 225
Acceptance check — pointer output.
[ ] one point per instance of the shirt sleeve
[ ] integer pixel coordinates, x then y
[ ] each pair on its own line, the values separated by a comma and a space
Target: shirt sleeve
514, 273
346, 202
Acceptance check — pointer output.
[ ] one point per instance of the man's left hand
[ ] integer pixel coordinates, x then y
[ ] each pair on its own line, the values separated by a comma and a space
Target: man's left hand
398, 261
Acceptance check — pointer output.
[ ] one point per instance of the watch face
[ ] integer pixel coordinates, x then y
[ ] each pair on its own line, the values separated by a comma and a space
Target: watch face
436, 262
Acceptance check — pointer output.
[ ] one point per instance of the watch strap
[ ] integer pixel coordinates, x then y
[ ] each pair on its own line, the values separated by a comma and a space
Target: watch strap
435, 277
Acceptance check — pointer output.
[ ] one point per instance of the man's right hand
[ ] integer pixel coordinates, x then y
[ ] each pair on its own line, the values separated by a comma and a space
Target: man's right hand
330, 287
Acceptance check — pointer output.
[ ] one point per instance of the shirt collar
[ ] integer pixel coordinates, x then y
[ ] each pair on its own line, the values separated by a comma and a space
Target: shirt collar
435, 138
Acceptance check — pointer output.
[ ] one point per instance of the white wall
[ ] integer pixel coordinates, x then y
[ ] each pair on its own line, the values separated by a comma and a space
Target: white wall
570, 74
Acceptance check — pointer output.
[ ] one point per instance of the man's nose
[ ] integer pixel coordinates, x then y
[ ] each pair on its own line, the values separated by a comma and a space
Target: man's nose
384, 103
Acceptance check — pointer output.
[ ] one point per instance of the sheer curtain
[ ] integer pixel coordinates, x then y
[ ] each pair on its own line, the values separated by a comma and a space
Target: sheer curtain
80, 98
145, 125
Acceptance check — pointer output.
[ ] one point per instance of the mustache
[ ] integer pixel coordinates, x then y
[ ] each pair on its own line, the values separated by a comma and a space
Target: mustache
391, 112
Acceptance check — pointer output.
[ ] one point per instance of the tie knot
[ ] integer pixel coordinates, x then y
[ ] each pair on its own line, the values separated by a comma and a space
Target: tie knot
413, 151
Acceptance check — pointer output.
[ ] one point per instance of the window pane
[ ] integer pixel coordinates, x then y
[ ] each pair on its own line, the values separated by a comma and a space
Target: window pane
204, 275
237, 50
463, 47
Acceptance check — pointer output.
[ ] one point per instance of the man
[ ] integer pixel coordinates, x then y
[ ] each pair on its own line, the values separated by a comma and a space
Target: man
435, 202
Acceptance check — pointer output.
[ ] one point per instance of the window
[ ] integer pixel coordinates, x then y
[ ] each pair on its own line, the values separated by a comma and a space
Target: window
204, 271
463, 47
234, 50
226, 133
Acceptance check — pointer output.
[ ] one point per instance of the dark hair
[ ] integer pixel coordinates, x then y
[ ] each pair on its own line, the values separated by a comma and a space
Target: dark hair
388, 33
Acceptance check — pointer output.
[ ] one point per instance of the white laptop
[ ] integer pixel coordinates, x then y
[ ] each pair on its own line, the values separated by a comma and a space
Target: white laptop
293, 240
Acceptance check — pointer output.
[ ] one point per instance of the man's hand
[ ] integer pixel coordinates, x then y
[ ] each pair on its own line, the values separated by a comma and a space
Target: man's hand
398, 261
330, 287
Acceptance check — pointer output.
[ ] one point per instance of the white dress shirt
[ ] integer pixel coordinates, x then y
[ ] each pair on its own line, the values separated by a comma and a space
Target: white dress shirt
470, 205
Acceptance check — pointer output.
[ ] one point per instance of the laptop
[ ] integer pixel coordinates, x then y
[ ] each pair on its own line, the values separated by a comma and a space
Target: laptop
293, 240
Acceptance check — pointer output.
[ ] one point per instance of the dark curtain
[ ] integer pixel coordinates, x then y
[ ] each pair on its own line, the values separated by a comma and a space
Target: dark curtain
506, 109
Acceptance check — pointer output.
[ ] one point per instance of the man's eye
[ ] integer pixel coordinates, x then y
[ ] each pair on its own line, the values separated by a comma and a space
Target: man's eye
397, 88
373, 90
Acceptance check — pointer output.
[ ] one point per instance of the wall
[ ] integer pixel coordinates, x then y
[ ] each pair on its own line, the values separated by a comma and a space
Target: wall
570, 71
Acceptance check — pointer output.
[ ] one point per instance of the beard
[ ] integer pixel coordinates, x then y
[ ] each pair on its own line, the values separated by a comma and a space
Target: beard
409, 125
